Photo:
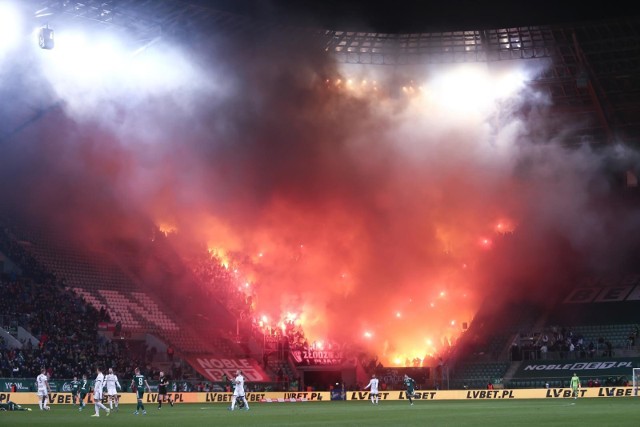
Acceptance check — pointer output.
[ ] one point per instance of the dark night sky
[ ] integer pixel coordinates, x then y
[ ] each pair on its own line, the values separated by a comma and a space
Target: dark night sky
415, 15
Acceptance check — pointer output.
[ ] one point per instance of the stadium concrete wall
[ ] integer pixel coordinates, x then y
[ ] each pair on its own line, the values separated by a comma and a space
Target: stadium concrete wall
214, 397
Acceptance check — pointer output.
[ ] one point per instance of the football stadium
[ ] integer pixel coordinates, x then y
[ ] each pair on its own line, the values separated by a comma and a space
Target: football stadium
275, 213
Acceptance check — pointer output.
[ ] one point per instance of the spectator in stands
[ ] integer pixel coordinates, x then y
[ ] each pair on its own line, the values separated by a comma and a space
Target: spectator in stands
609, 349
490, 386
631, 341
545, 338
543, 351
515, 352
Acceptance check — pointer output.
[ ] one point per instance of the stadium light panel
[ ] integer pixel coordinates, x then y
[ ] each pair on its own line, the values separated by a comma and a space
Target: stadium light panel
45, 38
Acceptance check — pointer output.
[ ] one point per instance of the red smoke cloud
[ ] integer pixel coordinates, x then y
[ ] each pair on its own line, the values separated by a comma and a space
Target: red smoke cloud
385, 215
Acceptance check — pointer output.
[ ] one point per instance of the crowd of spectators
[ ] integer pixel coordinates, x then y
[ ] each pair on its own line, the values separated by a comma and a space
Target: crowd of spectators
63, 332
221, 281
70, 345
62, 329
559, 342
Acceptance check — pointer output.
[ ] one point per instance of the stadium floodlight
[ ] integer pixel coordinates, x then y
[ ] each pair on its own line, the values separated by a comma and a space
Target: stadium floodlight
10, 25
45, 38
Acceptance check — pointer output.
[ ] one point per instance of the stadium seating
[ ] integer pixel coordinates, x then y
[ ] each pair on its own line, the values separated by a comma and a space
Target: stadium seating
105, 283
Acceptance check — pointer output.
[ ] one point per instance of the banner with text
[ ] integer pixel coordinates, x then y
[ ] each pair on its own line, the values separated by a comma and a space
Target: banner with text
150, 398
307, 356
552, 393
213, 368
584, 369
325, 396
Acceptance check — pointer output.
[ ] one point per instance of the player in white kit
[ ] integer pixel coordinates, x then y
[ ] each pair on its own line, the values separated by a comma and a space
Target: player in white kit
111, 380
238, 392
373, 383
43, 389
98, 386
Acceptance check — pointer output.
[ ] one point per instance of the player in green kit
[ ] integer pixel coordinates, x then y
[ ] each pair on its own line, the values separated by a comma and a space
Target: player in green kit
410, 385
575, 385
138, 383
11, 406
75, 388
83, 389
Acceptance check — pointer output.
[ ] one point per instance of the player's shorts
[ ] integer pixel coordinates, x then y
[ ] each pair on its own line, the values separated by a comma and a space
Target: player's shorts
112, 392
162, 389
374, 392
140, 393
83, 394
42, 393
97, 397
409, 392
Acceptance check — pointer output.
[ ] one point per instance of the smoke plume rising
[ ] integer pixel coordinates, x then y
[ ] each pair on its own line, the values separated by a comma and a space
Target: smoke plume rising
357, 199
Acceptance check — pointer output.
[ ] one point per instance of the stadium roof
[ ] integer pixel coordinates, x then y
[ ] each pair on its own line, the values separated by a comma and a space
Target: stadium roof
595, 51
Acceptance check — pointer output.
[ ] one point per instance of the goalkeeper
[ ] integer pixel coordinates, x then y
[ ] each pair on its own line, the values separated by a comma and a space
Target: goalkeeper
575, 385
410, 386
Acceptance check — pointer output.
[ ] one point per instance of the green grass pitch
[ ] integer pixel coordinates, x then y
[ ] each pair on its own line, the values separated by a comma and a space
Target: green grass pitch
614, 412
